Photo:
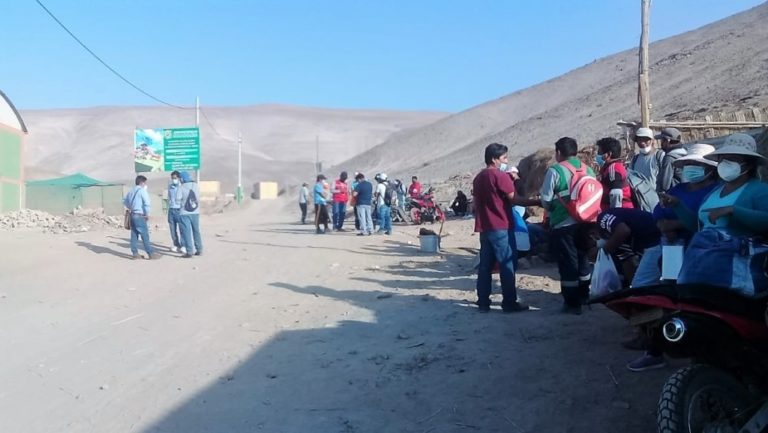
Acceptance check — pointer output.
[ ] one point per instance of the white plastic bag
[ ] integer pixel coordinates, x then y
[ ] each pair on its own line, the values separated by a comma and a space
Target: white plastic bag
605, 278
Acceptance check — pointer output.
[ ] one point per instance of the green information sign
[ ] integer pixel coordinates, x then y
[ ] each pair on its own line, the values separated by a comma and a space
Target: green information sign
166, 149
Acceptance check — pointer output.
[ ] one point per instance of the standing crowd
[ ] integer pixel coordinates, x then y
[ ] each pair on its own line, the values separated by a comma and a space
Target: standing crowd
706, 203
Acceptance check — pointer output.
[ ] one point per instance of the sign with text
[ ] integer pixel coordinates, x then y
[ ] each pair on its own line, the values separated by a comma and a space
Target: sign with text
166, 149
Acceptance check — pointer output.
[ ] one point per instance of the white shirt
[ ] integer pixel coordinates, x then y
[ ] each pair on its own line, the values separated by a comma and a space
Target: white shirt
381, 189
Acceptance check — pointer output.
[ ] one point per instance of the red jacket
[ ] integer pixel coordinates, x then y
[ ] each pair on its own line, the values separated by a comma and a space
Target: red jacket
341, 192
613, 176
415, 189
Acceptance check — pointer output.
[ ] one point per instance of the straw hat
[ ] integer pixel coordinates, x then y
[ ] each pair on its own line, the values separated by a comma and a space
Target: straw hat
697, 153
738, 144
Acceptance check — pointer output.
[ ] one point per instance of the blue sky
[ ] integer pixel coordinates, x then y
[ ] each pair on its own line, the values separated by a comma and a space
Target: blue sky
443, 55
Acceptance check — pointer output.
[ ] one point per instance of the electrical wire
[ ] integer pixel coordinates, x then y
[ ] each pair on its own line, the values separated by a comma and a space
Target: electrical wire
119, 75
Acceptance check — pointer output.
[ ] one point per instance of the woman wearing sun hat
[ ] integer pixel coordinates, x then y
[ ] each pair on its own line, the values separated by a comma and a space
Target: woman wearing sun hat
725, 252
740, 205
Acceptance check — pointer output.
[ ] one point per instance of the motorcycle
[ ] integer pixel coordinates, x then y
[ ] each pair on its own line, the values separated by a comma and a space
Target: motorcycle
724, 333
424, 209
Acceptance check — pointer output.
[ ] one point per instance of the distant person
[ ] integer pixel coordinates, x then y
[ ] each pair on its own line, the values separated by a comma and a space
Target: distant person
137, 202
670, 174
613, 174
303, 200
340, 193
353, 200
401, 192
460, 203
383, 204
174, 209
567, 235
363, 194
190, 216
415, 189
493, 194
321, 205
647, 160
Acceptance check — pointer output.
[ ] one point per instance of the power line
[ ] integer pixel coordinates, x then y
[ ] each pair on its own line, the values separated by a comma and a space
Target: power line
215, 131
105, 63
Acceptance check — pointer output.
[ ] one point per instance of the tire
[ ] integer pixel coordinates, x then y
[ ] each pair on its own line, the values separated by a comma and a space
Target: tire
685, 392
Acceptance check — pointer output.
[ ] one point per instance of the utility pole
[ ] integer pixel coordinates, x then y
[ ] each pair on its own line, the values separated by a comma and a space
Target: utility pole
644, 97
197, 124
239, 193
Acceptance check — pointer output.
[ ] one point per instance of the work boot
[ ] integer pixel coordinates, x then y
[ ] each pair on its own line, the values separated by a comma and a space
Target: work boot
515, 307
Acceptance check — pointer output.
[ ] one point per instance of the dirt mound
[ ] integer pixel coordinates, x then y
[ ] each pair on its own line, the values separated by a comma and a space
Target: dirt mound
80, 220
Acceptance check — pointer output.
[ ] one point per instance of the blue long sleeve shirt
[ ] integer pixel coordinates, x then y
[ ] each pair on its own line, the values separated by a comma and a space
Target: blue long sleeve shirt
174, 198
141, 204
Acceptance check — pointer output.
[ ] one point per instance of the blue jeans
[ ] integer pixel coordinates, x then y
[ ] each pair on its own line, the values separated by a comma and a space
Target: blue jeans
174, 222
495, 248
366, 220
190, 230
139, 228
339, 213
648, 272
385, 219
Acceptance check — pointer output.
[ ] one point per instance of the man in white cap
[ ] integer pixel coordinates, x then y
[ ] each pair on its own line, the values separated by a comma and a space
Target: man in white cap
671, 144
647, 160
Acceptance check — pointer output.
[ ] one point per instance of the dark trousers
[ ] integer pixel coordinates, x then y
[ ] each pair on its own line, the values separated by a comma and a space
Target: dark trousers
321, 216
303, 207
572, 264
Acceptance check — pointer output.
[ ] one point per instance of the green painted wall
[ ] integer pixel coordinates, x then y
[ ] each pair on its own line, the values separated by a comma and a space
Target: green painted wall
10, 195
10, 155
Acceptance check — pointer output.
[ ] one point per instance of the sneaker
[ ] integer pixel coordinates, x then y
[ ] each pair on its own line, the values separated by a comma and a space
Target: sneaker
183, 250
318, 231
646, 362
515, 308
571, 309
387, 233
135, 257
361, 234
174, 249
484, 308
198, 253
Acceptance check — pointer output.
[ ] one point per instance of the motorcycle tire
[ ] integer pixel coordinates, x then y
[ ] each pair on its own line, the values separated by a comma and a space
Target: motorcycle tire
686, 403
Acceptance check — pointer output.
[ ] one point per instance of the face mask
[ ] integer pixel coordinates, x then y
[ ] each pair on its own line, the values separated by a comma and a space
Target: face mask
503, 166
144, 187
600, 159
175, 181
729, 170
694, 174
645, 150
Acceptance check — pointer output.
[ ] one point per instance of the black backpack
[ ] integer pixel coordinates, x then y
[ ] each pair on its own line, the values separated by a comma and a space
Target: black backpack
390, 194
191, 204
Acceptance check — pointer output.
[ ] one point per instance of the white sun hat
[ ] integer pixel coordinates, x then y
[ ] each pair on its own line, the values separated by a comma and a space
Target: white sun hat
738, 144
697, 153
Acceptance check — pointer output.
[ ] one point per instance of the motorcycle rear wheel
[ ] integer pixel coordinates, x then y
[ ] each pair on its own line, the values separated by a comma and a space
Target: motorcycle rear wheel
703, 399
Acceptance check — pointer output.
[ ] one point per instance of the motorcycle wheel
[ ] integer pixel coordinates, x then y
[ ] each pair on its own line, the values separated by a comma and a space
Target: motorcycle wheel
703, 399
416, 216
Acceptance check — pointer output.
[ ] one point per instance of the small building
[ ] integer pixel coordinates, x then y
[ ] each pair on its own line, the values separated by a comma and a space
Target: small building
265, 191
64, 194
12, 135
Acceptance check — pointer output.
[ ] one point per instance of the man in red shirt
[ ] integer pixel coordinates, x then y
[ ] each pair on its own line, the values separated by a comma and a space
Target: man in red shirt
340, 199
613, 174
493, 192
415, 189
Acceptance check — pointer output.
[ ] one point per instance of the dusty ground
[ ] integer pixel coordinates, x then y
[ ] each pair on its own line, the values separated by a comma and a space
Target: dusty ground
276, 329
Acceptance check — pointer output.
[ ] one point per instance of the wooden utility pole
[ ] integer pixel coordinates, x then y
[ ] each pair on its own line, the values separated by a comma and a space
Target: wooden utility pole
644, 97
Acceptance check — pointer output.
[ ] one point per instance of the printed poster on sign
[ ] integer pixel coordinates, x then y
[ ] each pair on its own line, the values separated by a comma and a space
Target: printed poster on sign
166, 149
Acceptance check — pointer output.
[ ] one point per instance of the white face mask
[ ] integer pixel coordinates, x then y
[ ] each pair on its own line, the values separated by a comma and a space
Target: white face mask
729, 170
503, 166
645, 150
144, 187
175, 181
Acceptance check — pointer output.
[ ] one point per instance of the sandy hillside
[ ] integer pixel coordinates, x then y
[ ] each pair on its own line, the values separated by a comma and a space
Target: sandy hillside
719, 67
277, 329
278, 140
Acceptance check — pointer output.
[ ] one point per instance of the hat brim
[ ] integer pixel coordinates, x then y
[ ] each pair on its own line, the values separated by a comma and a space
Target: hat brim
650, 137
735, 150
695, 158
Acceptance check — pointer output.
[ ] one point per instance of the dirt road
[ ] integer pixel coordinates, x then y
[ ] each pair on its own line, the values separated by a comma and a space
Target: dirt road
276, 329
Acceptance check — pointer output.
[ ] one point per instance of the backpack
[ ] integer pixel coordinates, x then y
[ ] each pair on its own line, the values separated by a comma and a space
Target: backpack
191, 204
644, 195
390, 194
585, 193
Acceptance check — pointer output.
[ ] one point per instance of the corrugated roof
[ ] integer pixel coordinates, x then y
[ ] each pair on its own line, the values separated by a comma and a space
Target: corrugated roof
75, 180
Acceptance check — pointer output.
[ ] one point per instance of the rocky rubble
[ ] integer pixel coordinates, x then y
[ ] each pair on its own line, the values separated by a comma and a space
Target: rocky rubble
80, 220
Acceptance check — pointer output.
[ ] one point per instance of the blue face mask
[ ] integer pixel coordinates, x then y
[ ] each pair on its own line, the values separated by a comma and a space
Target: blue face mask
694, 173
600, 159
503, 166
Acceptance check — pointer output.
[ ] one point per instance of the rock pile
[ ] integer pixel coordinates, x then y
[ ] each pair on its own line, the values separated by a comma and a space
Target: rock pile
80, 220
